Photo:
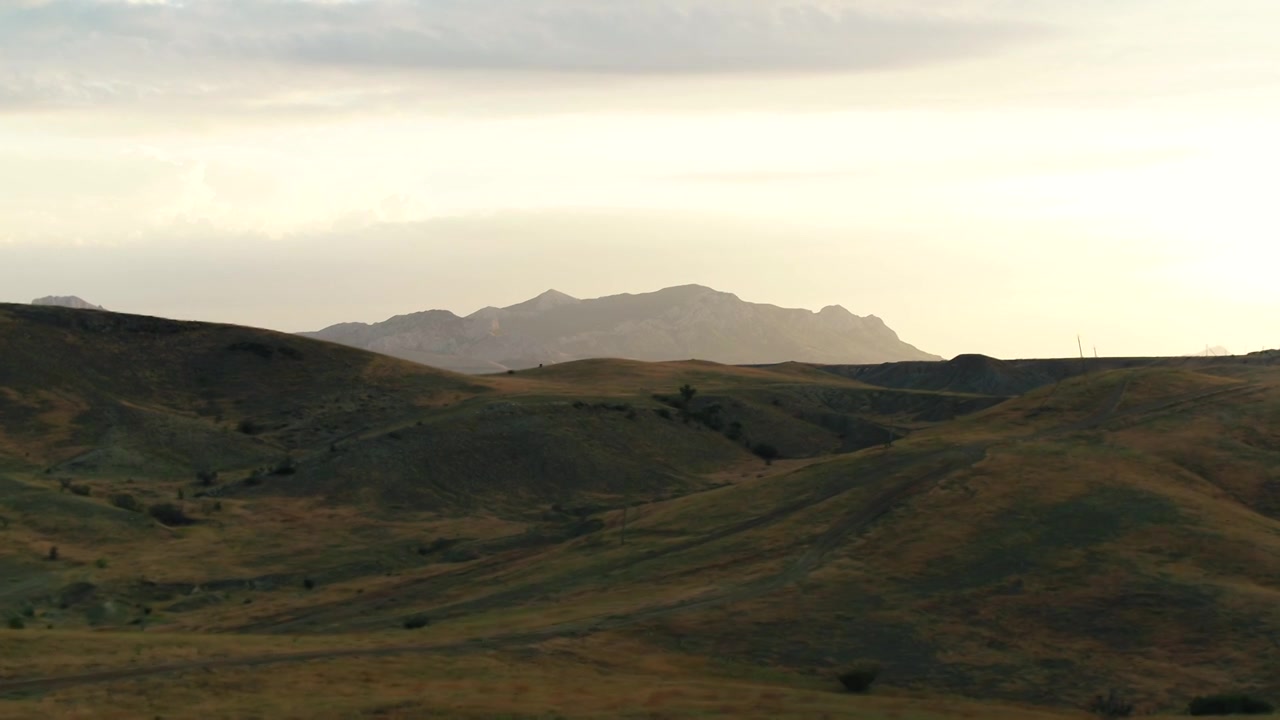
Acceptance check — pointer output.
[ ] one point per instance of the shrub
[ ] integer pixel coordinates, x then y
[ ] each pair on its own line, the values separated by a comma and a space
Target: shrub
285, 467
1229, 704
207, 477
308, 583
765, 452
416, 621
249, 427
663, 413
124, 501
735, 431
16, 623
101, 563
169, 514
81, 490
1110, 706
858, 679
53, 553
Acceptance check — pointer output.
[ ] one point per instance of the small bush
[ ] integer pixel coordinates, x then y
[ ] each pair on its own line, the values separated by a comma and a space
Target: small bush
1229, 704
416, 621
285, 467
207, 477
16, 623
100, 563
169, 514
858, 679
53, 553
309, 584
663, 413
128, 502
735, 431
765, 452
1110, 706
81, 490
249, 427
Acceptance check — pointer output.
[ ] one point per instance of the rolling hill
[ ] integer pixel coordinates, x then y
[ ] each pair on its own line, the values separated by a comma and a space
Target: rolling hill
582, 541
677, 323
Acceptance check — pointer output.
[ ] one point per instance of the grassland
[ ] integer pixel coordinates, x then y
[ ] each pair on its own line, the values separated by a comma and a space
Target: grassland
579, 542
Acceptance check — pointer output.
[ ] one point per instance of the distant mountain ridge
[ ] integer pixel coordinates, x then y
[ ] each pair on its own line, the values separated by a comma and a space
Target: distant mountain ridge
677, 323
69, 301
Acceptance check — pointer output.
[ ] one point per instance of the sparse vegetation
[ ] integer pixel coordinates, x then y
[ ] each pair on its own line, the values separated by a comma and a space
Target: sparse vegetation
287, 466
169, 514
1229, 704
1110, 706
416, 622
765, 452
859, 677
125, 501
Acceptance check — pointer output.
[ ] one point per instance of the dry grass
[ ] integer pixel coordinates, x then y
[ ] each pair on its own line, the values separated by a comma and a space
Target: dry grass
621, 679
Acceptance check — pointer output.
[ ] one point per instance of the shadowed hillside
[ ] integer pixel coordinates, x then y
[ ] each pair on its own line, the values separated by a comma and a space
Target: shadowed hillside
375, 518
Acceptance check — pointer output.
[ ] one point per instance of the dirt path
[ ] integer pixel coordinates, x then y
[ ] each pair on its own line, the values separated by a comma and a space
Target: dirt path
856, 521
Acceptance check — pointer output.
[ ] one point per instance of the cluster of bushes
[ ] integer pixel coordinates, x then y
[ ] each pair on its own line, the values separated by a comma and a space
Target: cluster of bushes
712, 417
169, 514
1110, 706
1113, 705
1229, 704
74, 488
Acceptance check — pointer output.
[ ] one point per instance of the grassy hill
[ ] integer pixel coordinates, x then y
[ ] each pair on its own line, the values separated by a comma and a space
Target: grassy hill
579, 541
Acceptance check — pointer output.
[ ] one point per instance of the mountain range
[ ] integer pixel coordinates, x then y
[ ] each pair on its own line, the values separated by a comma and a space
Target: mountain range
685, 322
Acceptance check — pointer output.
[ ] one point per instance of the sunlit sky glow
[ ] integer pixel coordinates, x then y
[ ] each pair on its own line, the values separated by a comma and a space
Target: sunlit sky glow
988, 176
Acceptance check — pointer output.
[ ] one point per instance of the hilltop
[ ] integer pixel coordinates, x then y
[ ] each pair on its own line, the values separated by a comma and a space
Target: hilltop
582, 540
677, 323
68, 301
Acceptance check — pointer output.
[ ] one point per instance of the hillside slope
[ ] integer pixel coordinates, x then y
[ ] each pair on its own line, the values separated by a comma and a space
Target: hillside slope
383, 521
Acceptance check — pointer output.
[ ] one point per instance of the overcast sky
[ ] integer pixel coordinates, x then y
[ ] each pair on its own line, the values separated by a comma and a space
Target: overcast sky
988, 176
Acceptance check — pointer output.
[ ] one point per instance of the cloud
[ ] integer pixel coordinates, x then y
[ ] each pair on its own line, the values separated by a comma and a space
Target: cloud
73, 52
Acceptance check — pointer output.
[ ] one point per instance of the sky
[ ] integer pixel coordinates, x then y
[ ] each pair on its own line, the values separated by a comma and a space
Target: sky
993, 176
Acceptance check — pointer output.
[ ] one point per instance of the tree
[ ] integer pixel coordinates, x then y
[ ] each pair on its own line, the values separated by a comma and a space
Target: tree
687, 392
